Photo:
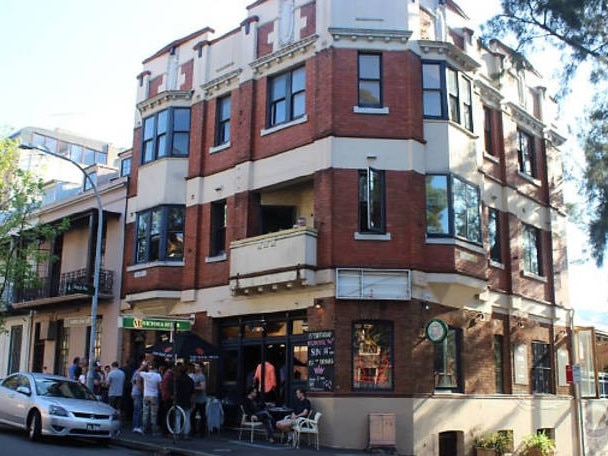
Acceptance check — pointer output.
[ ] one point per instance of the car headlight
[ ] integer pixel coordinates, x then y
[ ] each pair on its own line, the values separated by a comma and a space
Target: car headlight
57, 411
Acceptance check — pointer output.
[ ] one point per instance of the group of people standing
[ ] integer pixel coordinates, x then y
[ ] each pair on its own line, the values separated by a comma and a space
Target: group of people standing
154, 391
108, 383
258, 411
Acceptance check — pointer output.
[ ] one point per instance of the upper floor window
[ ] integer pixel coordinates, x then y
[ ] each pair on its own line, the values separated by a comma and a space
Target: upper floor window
372, 355
371, 201
166, 134
286, 96
525, 153
222, 128
532, 250
370, 80
125, 167
488, 130
160, 234
541, 368
446, 94
446, 362
217, 245
494, 233
452, 208
87, 183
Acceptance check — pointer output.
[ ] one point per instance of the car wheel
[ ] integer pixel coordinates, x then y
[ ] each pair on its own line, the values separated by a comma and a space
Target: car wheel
34, 426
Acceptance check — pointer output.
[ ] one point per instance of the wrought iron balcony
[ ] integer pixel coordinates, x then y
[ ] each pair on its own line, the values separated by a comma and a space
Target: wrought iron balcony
69, 283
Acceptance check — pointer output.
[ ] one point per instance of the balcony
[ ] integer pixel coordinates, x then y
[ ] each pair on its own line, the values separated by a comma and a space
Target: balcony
282, 259
74, 284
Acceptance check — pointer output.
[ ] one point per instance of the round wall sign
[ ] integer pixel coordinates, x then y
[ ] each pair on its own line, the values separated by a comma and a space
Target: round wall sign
436, 330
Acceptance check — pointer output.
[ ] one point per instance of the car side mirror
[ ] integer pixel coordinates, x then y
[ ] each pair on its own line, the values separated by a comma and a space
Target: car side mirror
24, 390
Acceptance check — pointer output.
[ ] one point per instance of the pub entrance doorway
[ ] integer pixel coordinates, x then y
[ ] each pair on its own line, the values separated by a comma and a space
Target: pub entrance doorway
269, 352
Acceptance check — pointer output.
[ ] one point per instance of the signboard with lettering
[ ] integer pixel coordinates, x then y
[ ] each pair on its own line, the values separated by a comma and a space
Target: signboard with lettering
321, 360
154, 324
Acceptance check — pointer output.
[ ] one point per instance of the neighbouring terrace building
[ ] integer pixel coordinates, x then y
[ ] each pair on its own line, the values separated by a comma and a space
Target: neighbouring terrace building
50, 325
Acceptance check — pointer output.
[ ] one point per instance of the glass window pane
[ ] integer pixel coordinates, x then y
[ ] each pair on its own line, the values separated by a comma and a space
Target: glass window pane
175, 219
431, 76
175, 246
432, 104
181, 120
225, 108
156, 222
369, 66
148, 151
372, 355
299, 105
149, 127
162, 124
298, 80
278, 114
89, 156
101, 157
76, 153
278, 87
161, 141
369, 93
437, 209
452, 81
154, 248
180, 144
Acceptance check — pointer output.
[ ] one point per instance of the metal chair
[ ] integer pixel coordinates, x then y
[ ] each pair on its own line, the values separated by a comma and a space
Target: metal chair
309, 426
249, 424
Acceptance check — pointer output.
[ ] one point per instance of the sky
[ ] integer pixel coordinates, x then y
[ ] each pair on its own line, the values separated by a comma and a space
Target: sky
72, 64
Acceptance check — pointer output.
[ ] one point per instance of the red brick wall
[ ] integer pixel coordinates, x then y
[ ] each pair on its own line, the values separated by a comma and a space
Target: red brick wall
264, 48
309, 11
154, 86
187, 69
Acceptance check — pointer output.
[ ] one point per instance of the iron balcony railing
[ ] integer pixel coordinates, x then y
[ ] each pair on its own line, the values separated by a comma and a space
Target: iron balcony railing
80, 281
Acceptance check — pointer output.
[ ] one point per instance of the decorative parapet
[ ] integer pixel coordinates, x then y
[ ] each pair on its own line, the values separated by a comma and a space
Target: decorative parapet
164, 98
383, 35
262, 64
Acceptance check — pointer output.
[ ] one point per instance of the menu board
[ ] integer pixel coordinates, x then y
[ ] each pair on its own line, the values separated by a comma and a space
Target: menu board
321, 360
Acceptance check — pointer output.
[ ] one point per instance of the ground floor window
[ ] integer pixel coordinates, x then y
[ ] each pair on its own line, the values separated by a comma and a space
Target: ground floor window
447, 362
372, 355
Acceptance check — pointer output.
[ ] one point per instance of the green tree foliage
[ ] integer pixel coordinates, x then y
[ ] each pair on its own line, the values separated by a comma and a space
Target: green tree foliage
20, 235
579, 29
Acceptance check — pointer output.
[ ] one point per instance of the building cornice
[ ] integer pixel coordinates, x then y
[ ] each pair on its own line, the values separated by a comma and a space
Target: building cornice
489, 94
383, 35
525, 119
262, 64
222, 82
164, 98
463, 60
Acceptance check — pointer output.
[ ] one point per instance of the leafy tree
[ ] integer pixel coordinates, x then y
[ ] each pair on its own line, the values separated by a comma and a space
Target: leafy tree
579, 30
20, 235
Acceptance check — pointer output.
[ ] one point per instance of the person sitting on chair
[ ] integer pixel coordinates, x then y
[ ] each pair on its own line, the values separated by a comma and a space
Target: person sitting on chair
302, 408
256, 410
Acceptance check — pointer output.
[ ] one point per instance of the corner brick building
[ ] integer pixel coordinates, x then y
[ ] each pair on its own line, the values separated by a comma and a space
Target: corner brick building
370, 200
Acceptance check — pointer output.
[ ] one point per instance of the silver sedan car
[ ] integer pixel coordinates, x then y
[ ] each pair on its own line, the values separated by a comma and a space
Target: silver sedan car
52, 405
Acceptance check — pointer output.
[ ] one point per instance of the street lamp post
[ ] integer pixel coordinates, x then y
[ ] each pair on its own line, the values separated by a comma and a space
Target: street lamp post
97, 270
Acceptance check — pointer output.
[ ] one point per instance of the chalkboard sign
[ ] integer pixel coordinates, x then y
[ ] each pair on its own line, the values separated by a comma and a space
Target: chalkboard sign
321, 361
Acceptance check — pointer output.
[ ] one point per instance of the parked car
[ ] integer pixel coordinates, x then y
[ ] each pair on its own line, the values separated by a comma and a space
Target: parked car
52, 405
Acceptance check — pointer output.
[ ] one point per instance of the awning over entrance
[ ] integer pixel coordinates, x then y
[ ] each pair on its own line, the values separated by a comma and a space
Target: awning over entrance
187, 346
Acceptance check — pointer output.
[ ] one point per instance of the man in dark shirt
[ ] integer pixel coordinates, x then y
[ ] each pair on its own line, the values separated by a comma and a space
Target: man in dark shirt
301, 408
256, 410
184, 396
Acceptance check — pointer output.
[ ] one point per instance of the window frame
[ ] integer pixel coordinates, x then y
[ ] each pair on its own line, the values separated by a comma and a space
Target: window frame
223, 120
364, 79
526, 158
372, 217
532, 250
456, 100
289, 97
218, 219
162, 232
125, 166
495, 235
441, 360
488, 131
541, 372
159, 135
450, 218
372, 361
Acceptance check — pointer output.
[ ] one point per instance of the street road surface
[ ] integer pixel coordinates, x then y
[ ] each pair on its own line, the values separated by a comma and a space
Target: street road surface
15, 442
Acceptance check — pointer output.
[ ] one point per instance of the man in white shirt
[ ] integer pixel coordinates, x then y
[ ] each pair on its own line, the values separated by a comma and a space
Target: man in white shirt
151, 379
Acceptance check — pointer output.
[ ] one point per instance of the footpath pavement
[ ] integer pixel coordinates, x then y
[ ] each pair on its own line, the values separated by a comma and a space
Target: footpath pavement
225, 443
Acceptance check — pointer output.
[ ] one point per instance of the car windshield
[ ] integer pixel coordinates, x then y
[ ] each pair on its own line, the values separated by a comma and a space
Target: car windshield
53, 387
